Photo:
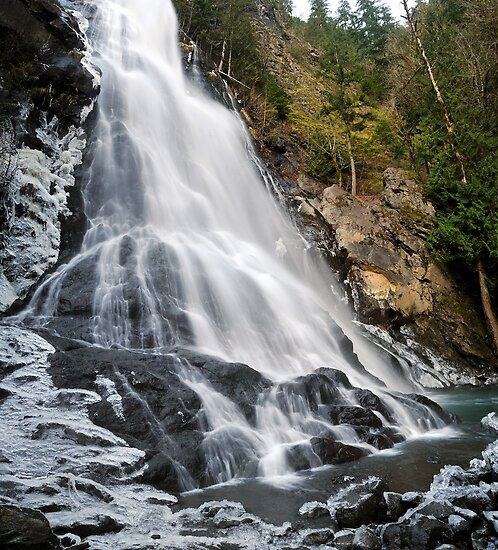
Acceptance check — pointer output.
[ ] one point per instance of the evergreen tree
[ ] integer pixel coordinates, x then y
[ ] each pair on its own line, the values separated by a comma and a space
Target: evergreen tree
455, 129
373, 22
343, 65
344, 16
319, 17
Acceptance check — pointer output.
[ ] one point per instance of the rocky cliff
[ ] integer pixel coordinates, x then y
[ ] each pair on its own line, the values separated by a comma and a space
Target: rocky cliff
378, 244
47, 89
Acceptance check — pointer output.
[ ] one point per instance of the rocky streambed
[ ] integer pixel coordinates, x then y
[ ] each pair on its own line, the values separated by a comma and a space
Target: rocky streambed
85, 463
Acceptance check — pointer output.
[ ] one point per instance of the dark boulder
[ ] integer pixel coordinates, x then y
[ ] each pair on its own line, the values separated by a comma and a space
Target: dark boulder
160, 414
355, 416
368, 400
335, 452
421, 533
95, 525
25, 529
359, 504
317, 388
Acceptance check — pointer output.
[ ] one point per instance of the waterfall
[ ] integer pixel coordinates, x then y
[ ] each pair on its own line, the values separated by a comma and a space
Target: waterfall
186, 247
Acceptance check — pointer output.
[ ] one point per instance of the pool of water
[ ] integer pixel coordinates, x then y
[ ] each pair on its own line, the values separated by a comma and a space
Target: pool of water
409, 467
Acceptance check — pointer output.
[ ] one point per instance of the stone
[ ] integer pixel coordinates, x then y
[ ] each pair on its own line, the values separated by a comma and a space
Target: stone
153, 396
420, 533
394, 507
359, 503
492, 518
412, 498
343, 539
366, 539
21, 528
314, 509
99, 524
490, 422
318, 536
440, 509
46, 102
356, 416
458, 524
335, 452
379, 247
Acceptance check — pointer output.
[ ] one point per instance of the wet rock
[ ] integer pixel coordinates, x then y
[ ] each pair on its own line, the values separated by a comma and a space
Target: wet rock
336, 376
420, 533
321, 386
238, 381
368, 400
468, 515
223, 520
359, 504
457, 487
301, 457
356, 416
490, 456
314, 509
21, 528
343, 539
377, 439
440, 509
490, 422
335, 452
492, 518
458, 525
436, 409
394, 506
163, 414
412, 498
96, 525
319, 536
366, 539
212, 508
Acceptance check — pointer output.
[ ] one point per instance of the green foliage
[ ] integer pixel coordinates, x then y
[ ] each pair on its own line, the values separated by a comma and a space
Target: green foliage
323, 162
276, 97
385, 135
210, 23
460, 53
372, 24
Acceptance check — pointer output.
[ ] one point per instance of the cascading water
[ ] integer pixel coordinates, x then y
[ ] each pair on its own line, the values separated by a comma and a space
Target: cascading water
188, 249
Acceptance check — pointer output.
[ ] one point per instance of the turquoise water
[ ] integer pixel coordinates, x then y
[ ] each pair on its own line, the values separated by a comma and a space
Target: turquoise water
409, 467
470, 404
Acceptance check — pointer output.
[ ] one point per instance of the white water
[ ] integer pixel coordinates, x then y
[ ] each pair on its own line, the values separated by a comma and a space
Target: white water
171, 174
191, 249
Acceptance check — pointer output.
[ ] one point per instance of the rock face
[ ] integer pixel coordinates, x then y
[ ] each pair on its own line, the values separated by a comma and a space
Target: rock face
379, 247
47, 89
26, 529
149, 401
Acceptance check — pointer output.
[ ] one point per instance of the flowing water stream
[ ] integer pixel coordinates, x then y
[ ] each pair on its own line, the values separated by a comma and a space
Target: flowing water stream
189, 248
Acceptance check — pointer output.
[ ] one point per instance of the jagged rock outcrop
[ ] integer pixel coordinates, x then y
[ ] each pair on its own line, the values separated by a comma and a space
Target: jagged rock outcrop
47, 89
378, 244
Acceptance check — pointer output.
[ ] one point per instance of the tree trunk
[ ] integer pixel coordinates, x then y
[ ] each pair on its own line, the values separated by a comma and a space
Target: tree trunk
487, 306
450, 128
220, 65
353, 165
